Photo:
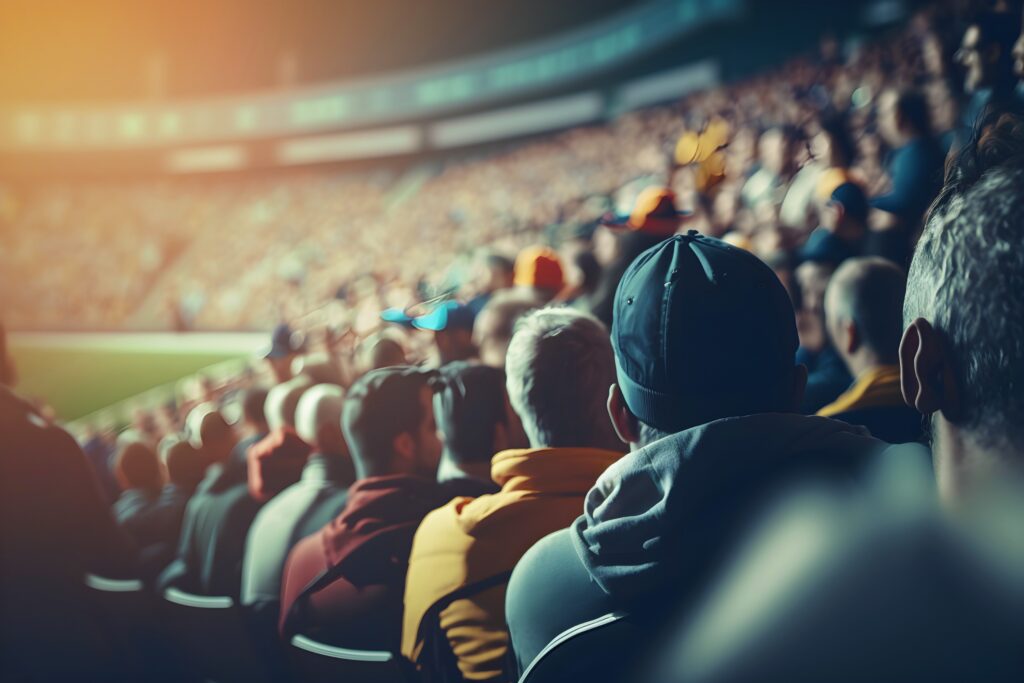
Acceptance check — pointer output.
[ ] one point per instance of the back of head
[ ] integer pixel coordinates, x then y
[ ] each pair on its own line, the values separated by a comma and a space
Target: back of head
559, 369
253, 402
868, 292
382, 351
318, 419
137, 467
913, 112
380, 406
501, 271
282, 400
540, 268
835, 126
469, 404
496, 322
703, 331
210, 432
185, 465
967, 276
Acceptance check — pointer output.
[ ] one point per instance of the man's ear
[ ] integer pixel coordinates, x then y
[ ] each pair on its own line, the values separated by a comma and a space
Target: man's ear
851, 337
624, 422
404, 448
926, 377
799, 386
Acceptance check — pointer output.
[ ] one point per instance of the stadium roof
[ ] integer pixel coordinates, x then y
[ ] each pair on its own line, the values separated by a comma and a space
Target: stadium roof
71, 50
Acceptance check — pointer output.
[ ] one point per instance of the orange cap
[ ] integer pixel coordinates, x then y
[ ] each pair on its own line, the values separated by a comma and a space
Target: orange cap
654, 213
538, 266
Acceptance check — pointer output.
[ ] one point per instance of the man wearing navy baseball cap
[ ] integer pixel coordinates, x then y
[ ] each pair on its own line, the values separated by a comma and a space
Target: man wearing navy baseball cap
706, 397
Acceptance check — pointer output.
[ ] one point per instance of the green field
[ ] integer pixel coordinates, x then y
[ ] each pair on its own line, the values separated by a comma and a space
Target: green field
79, 374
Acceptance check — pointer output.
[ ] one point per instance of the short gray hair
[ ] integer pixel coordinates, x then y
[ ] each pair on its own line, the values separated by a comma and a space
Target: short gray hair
559, 367
967, 280
869, 292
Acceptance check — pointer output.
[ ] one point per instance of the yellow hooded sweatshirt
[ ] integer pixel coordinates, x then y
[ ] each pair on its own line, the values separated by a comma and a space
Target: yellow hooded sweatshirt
473, 539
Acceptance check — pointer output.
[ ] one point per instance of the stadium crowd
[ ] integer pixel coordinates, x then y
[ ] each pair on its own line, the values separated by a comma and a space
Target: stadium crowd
763, 421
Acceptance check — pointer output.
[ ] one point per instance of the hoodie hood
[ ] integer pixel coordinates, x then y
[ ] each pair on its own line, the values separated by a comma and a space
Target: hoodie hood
666, 509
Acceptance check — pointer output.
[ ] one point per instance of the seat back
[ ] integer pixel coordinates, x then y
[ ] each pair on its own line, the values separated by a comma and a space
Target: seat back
215, 638
581, 653
318, 662
128, 616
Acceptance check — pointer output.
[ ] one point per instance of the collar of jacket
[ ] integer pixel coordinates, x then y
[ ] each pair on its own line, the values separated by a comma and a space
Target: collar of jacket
550, 470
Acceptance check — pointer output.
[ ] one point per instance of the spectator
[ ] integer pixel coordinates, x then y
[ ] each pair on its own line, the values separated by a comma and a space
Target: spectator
344, 584
494, 325
254, 425
285, 346
654, 218
711, 420
452, 325
154, 520
214, 437
54, 529
961, 365
500, 275
538, 271
209, 555
185, 466
961, 359
474, 421
769, 183
559, 367
382, 351
141, 511
305, 507
827, 374
843, 229
915, 170
986, 56
863, 316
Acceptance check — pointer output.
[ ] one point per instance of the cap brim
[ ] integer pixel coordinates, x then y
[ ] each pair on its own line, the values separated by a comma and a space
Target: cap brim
434, 321
395, 315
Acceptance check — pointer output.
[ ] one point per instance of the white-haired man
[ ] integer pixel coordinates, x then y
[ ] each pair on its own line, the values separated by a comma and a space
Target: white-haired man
558, 369
304, 507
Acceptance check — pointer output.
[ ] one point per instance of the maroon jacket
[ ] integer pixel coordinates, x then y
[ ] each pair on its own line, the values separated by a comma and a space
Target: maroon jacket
344, 585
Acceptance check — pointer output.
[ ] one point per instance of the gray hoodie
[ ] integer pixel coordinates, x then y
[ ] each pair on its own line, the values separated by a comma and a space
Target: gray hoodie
663, 510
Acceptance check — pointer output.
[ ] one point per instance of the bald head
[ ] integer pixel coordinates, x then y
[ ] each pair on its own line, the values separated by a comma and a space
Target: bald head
864, 308
318, 418
283, 400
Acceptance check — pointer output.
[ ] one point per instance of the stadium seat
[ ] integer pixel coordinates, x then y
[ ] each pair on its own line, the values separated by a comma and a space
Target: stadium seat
318, 662
127, 614
216, 639
569, 657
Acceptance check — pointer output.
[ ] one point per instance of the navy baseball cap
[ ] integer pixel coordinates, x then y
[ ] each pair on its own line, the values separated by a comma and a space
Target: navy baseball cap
853, 199
284, 342
695, 320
